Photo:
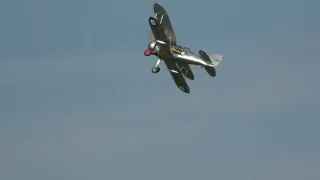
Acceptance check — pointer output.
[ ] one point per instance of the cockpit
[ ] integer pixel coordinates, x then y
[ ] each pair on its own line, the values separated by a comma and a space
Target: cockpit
183, 48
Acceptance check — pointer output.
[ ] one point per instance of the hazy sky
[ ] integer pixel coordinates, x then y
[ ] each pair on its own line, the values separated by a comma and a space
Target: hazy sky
78, 100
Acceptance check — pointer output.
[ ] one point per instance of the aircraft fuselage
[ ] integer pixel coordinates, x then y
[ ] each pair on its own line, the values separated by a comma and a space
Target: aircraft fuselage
185, 54
177, 53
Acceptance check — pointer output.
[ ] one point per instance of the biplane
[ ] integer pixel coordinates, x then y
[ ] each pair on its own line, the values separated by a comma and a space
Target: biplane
177, 58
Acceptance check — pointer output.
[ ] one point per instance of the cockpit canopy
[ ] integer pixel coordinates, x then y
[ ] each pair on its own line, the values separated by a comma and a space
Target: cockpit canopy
182, 47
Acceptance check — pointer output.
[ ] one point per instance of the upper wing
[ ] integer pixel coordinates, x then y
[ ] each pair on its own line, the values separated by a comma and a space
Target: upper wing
158, 31
159, 34
176, 75
164, 20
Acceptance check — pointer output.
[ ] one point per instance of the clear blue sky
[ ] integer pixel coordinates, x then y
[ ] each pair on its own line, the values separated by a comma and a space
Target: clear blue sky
78, 100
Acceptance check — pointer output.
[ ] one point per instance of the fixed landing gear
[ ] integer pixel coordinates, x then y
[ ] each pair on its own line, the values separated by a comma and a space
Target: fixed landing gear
155, 69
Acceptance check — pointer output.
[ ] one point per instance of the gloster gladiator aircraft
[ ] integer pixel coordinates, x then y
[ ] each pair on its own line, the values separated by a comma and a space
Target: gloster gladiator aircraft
177, 58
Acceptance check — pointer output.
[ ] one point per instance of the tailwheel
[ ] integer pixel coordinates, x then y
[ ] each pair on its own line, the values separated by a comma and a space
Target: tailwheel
155, 69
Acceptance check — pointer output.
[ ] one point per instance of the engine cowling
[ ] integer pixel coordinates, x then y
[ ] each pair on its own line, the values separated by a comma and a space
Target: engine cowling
154, 47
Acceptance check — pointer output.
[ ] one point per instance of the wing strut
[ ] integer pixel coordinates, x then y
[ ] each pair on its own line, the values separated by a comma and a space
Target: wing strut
161, 19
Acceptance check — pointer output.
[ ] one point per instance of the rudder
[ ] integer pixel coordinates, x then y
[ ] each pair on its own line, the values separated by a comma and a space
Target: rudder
215, 58
212, 58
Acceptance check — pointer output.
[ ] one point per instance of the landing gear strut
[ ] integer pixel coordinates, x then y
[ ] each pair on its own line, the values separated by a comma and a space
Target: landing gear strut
156, 69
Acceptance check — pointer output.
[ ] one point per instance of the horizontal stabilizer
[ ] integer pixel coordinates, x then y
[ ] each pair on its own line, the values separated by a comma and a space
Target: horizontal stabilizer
204, 56
210, 70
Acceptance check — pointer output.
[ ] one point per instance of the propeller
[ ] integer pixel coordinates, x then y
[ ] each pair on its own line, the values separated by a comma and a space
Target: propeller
150, 36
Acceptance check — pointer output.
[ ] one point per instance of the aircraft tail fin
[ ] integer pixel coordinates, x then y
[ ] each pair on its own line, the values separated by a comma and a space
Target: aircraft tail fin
212, 58
215, 58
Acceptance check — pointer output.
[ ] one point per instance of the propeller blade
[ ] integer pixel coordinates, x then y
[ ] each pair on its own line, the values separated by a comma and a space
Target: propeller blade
150, 36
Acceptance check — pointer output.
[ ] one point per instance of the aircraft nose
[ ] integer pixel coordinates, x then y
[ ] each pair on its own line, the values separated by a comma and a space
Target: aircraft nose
147, 52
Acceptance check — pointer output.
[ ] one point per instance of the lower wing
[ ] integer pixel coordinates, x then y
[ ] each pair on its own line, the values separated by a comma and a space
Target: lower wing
159, 34
185, 70
176, 75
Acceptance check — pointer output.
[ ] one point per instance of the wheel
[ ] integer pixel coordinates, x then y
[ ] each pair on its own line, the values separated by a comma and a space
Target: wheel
155, 69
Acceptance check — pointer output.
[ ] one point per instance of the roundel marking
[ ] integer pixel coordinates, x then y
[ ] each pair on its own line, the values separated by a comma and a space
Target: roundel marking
182, 88
153, 22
